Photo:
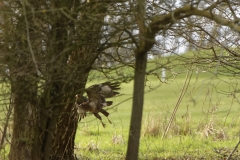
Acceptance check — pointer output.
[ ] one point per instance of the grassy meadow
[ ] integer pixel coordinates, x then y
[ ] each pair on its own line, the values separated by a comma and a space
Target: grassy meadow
206, 125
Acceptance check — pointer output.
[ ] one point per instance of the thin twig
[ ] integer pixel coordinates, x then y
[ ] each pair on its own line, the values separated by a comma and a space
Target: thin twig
234, 149
28, 39
4, 132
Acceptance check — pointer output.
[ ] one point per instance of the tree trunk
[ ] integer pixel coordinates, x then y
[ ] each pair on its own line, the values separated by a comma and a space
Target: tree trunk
23, 93
137, 107
81, 61
145, 44
63, 146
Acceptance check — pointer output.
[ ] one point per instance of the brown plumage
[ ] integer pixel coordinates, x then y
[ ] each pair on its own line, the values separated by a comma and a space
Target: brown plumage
96, 100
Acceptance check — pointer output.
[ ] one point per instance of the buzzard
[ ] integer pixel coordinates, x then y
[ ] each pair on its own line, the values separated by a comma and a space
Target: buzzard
95, 100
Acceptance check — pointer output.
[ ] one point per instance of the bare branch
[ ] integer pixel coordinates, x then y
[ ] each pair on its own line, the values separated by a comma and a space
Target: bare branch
28, 38
187, 11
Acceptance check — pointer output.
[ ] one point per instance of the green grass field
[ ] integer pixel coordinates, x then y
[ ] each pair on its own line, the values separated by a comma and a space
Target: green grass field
206, 124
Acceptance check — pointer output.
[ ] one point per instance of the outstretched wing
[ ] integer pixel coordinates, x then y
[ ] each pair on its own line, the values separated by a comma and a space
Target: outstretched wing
109, 89
98, 92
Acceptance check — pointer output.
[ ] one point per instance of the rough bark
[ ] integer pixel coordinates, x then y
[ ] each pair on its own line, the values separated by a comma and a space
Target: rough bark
23, 93
64, 136
82, 60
